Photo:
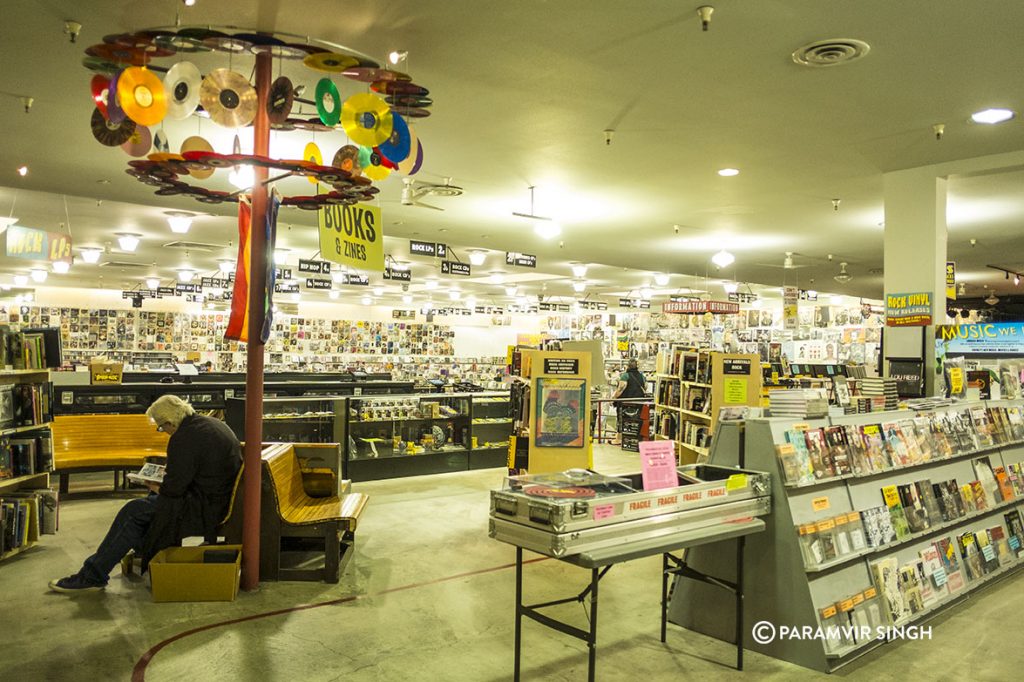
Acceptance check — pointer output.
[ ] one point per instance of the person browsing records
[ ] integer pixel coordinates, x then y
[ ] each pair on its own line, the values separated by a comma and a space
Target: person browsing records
203, 460
632, 384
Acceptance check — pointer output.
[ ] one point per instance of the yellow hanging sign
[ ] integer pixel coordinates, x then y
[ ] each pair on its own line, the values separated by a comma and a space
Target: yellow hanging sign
352, 235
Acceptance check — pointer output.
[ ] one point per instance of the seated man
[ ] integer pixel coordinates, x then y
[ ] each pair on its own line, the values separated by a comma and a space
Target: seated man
203, 459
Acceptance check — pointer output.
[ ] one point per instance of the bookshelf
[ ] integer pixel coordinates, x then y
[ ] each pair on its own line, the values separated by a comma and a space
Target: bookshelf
27, 505
833, 555
691, 386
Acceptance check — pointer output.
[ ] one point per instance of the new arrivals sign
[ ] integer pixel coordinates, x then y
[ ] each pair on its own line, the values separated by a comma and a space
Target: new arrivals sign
908, 310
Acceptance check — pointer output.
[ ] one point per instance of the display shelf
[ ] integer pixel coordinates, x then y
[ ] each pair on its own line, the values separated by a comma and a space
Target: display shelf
41, 479
698, 415
794, 592
408, 419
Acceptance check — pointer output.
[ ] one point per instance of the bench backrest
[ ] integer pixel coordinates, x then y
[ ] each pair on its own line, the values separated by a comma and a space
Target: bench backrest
281, 463
107, 432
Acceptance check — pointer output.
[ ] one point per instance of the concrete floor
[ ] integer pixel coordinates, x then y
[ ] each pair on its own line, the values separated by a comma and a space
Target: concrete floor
435, 600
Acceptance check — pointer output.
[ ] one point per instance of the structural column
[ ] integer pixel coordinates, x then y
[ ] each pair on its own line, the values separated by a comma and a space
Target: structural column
254, 348
915, 257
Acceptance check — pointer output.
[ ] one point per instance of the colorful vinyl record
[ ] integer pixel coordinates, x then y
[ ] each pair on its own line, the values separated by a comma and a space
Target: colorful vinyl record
111, 133
331, 62
411, 112
97, 65
197, 144
569, 492
306, 49
312, 124
259, 42
347, 159
396, 148
142, 95
419, 158
118, 54
100, 86
405, 166
114, 111
328, 102
312, 154
376, 172
225, 43
182, 41
409, 101
229, 98
182, 84
366, 119
280, 100
140, 142
399, 88
369, 74
365, 157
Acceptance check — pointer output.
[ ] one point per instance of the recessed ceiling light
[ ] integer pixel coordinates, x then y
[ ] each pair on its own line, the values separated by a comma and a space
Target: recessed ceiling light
61, 267
22, 171
127, 241
728, 172
91, 255
992, 116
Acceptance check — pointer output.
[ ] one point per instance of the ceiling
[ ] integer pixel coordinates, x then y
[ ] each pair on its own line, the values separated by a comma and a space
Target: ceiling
523, 93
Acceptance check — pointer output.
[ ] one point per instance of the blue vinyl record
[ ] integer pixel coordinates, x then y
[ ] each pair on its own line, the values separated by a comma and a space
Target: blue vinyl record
397, 147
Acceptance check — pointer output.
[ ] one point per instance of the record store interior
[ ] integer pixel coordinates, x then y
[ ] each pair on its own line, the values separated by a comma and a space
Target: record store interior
477, 340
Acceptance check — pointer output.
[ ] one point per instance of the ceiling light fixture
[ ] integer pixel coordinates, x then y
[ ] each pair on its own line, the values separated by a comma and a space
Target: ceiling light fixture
334, 294
61, 267
992, 116
454, 295
366, 300
660, 278
153, 283
226, 265
511, 290
545, 228
430, 283
723, 259
496, 277
20, 280
579, 286
646, 293
179, 222
91, 255
579, 269
836, 299
992, 299
477, 256
7, 222
281, 256
38, 275
397, 56
730, 287
128, 241
378, 291
406, 298
242, 177
728, 172
338, 275
22, 171
186, 275
843, 277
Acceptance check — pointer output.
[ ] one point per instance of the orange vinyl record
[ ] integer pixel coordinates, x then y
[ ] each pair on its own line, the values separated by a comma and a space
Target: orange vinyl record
142, 95
347, 158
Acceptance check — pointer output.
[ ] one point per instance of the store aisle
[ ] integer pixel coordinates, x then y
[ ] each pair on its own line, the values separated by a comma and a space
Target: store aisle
414, 620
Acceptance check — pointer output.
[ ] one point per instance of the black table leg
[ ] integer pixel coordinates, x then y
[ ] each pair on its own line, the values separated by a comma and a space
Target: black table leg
741, 542
594, 580
519, 609
664, 595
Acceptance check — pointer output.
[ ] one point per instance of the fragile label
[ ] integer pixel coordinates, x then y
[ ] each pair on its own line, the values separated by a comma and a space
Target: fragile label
604, 511
820, 503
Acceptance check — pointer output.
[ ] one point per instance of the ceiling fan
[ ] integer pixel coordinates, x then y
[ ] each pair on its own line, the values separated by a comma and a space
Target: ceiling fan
412, 192
787, 262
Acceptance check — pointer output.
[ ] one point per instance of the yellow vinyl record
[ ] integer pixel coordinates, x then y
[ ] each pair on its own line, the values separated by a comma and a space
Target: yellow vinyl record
331, 62
197, 144
312, 154
376, 172
142, 95
366, 119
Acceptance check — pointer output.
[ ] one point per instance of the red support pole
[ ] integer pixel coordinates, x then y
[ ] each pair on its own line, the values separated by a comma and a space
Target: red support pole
254, 349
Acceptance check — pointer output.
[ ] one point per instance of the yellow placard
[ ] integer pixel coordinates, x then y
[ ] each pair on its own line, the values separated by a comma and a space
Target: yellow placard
951, 280
956, 380
736, 482
820, 503
828, 612
734, 390
352, 235
846, 605
870, 593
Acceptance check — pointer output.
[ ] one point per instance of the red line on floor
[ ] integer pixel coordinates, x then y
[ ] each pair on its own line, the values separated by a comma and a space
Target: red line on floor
139, 671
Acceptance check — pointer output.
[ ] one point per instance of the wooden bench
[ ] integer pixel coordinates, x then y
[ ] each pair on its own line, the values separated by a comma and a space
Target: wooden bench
293, 519
102, 442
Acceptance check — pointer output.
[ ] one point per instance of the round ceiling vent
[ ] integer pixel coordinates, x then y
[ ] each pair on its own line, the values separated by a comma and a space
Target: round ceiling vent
831, 52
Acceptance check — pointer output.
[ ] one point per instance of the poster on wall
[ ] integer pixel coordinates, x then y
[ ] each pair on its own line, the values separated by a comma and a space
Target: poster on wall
790, 308
992, 338
561, 419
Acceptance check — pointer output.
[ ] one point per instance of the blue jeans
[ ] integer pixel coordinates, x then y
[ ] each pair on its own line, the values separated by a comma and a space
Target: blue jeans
126, 533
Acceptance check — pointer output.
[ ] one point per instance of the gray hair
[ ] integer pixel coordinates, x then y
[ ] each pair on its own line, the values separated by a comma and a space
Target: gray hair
169, 409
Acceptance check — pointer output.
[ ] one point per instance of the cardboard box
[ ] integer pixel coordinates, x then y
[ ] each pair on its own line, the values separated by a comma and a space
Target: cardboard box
105, 372
180, 574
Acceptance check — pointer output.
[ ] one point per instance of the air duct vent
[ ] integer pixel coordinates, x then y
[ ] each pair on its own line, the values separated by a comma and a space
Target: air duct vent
124, 264
831, 52
195, 246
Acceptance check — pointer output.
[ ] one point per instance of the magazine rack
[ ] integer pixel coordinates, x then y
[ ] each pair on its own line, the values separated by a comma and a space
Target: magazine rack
850, 589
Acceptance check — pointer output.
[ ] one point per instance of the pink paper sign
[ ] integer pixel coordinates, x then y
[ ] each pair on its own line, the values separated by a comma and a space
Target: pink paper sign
658, 464
604, 511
